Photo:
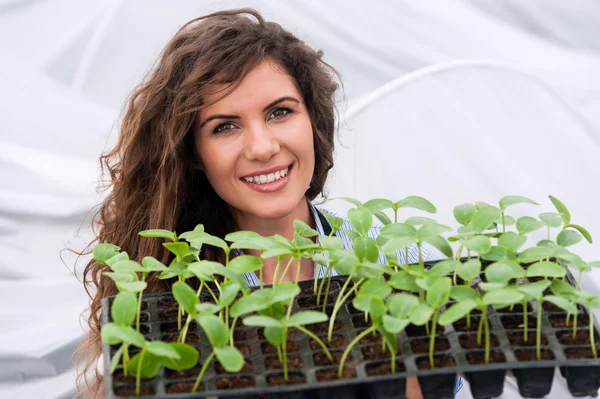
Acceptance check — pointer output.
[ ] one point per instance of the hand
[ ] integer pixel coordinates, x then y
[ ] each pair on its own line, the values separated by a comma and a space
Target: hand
413, 389
100, 365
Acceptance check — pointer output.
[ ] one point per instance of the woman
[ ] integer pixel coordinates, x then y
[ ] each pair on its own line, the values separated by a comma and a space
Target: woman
234, 129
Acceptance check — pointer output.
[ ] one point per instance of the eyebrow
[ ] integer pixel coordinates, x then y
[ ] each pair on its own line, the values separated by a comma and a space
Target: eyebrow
265, 109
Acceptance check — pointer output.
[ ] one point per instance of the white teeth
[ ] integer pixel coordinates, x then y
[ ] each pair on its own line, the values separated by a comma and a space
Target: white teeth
271, 177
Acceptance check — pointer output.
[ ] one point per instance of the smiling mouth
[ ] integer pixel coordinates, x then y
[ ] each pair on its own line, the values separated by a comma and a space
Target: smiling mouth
269, 177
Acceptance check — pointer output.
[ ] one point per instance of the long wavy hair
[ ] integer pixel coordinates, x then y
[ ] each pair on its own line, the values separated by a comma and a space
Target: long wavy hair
153, 178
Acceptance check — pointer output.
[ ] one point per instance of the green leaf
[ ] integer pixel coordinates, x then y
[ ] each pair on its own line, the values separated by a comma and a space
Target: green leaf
151, 264
499, 254
402, 305
562, 209
215, 242
304, 229
124, 308
105, 251
490, 286
586, 234
480, 244
401, 280
376, 310
396, 244
242, 235
551, 219
508, 220
334, 221
366, 249
262, 321
561, 288
415, 202
566, 238
333, 242
527, 224
562, 303
546, 269
378, 204
513, 200
350, 200
284, 292
444, 267
188, 357
361, 220
134, 286
150, 364
117, 258
396, 230
162, 349
177, 248
383, 218
439, 293
229, 291
457, 312
503, 297
274, 335
442, 245
430, 230
259, 244
121, 277
534, 254
230, 358
159, 233
499, 272
421, 314
511, 241
245, 264
126, 266
216, 331
114, 334
394, 325
484, 217
469, 270
206, 308
462, 292
419, 220
375, 287
186, 297
464, 213
535, 290
114, 362
306, 317
351, 233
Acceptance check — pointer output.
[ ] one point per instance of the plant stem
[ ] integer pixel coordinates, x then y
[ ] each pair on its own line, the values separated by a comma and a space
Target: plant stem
232, 329
480, 329
432, 339
538, 338
349, 348
503, 223
279, 355
568, 319
322, 283
574, 325
338, 305
592, 339
184, 331
420, 256
287, 267
487, 339
579, 279
327, 293
468, 320
202, 371
284, 350
139, 306
317, 340
211, 293
138, 375
525, 320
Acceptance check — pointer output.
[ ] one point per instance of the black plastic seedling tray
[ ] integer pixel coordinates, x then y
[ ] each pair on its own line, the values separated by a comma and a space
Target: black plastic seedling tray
454, 351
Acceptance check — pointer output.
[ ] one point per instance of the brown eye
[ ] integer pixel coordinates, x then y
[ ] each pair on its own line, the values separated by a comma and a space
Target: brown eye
280, 112
223, 127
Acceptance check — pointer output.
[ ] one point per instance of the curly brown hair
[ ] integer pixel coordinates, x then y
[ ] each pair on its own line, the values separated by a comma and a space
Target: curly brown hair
154, 179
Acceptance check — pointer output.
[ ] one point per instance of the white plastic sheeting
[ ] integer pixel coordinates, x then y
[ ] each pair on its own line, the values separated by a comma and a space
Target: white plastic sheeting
463, 131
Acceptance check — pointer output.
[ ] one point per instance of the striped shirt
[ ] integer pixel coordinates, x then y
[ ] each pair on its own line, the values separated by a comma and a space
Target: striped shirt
323, 228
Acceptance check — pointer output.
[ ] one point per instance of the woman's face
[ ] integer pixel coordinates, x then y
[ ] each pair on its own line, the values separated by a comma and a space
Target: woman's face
256, 144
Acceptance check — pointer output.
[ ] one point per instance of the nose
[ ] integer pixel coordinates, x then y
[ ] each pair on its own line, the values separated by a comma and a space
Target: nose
260, 143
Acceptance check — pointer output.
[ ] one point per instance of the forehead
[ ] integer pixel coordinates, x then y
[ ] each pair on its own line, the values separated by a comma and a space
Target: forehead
263, 84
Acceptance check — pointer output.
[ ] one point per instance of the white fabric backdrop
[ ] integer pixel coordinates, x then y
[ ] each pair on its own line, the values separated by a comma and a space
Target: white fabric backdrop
66, 67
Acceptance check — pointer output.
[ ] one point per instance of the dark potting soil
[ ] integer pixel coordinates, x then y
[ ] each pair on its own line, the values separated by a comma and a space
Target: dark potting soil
383, 368
334, 286
267, 348
439, 361
516, 338
323, 327
236, 382
337, 340
374, 352
183, 387
582, 337
478, 357
321, 359
171, 327
144, 317
130, 391
311, 301
421, 331
526, 355
180, 375
279, 379
353, 310
261, 335
517, 309
512, 322
145, 329
243, 348
371, 338
359, 321
293, 362
332, 374
241, 334
191, 339
461, 325
579, 353
550, 307
246, 368
469, 341
170, 314
421, 345
120, 377
167, 303
560, 321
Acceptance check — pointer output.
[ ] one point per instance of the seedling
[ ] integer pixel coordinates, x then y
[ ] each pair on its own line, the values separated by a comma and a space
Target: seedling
590, 302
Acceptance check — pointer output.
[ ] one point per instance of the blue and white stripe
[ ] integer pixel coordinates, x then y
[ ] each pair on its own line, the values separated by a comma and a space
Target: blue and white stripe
428, 253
